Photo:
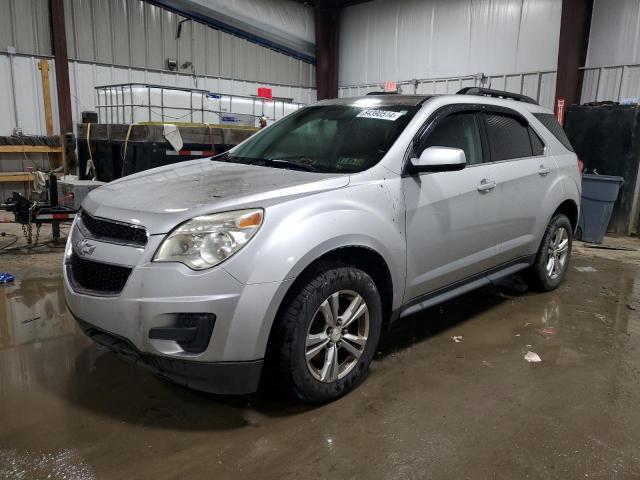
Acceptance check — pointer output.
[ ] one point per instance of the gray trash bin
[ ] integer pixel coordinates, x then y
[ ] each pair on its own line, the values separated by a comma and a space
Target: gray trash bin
599, 194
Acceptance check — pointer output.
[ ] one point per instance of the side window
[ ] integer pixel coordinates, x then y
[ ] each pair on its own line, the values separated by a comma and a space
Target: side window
537, 145
459, 130
508, 137
550, 122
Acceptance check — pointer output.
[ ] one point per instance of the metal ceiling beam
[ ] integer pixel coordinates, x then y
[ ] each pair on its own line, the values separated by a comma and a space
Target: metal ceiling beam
249, 31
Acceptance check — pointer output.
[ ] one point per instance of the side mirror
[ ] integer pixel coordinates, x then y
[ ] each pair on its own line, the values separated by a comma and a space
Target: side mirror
439, 159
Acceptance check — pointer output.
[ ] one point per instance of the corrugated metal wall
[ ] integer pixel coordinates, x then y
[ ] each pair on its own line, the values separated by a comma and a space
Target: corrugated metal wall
134, 33
612, 70
130, 43
24, 24
444, 43
84, 77
122, 41
538, 85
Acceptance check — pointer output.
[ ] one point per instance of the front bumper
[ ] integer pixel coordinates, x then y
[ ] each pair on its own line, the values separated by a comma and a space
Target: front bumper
225, 378
157, 294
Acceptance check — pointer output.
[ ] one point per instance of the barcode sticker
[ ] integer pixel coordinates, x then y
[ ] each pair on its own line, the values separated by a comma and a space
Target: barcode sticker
381, 114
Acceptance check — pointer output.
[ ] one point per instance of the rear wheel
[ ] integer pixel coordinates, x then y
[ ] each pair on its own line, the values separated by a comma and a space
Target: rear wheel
552, 259
328, 333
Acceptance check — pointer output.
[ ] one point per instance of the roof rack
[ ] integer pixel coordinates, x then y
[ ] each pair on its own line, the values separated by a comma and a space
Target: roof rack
487, 92
382, 93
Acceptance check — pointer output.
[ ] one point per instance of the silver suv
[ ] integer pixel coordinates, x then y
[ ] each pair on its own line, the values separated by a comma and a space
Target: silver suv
295, 250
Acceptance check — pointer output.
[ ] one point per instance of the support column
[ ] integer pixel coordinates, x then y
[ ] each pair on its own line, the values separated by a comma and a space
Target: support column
327, 20
59, 42
575, 25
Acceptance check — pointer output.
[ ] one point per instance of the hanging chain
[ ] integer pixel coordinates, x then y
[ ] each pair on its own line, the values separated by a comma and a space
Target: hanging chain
27, 230
38, 225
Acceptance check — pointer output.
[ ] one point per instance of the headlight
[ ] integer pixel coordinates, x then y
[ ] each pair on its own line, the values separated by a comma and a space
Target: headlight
204, 242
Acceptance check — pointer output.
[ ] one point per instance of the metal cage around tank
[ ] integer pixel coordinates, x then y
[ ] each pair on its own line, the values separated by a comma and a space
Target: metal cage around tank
130, 103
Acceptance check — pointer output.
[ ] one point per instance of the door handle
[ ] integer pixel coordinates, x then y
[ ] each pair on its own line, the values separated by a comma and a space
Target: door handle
542, 170
486, 185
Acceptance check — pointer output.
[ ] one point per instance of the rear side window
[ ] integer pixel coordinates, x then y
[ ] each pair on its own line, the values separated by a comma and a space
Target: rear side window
508, 137
537, 145
551, 123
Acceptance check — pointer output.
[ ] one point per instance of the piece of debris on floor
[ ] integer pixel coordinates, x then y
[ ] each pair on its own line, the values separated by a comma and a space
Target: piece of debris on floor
6, 277
586, 269
29, 320
532, 357
457, 338
548, 331
631, 307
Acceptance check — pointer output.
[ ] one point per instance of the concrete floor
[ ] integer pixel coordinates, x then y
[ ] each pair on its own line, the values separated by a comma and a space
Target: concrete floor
430, 408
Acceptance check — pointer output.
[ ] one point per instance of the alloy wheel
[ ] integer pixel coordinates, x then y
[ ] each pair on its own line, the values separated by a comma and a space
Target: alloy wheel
557, 253
337, 336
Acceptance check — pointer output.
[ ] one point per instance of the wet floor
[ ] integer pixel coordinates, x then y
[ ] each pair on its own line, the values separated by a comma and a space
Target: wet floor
449, 396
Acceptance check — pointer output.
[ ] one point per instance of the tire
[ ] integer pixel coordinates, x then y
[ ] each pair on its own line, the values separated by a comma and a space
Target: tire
547, 274
304, 328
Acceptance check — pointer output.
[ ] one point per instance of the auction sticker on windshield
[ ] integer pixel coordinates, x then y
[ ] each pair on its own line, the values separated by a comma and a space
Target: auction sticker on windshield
381, 114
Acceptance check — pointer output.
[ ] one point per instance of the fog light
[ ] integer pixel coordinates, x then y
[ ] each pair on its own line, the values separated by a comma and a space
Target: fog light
192, 331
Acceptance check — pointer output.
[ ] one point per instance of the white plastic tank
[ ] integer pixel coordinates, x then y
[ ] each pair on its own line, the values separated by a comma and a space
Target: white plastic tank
137, 103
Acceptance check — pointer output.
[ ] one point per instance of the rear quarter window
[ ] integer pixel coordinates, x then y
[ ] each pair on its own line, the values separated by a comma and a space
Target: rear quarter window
551, 123
508, 137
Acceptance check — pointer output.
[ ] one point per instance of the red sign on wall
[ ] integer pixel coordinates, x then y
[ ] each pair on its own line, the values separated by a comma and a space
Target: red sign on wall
265, 92
390, 86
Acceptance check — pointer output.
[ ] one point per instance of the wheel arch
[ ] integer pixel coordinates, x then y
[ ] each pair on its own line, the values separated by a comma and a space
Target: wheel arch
360, 256
570, 209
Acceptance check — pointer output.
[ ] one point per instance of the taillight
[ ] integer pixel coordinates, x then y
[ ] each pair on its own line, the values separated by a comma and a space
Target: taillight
580, 166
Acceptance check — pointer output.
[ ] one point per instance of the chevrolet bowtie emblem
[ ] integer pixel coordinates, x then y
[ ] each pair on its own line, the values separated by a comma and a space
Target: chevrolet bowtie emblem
84, 248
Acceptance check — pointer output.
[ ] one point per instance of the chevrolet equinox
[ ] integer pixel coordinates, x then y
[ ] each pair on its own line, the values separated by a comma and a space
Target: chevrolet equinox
296, 249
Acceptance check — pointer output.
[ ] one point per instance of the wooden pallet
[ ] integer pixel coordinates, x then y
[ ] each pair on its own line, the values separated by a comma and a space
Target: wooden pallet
12, 177
29, 149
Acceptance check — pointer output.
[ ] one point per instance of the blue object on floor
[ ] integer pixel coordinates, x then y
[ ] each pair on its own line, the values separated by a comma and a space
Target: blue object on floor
6, 277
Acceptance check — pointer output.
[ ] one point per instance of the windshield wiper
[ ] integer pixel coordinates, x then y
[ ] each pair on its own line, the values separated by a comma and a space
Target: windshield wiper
275, 162
290, 163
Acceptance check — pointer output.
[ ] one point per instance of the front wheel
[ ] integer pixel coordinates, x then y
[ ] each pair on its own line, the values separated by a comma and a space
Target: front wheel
552, 260
328, 333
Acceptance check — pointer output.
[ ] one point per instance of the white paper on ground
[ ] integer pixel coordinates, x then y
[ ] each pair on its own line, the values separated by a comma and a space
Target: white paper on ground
532, 357
586, 269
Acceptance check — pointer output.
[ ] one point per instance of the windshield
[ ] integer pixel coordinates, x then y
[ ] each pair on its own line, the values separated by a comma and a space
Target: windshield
329, 138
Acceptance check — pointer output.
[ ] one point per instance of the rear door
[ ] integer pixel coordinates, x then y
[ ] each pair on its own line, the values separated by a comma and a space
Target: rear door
523, 175
450, 216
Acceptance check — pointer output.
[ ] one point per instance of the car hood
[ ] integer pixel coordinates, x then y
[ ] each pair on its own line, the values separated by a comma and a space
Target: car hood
161, 198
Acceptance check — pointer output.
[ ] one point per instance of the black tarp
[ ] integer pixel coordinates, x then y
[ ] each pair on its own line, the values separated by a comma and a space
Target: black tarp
607, 140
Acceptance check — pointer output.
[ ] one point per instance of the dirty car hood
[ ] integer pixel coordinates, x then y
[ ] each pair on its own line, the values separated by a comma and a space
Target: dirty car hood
161, 198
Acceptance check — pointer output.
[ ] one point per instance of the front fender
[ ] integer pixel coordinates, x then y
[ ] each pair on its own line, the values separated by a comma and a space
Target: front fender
296, 233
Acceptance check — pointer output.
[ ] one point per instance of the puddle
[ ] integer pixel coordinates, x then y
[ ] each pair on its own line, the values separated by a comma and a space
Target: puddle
33, 310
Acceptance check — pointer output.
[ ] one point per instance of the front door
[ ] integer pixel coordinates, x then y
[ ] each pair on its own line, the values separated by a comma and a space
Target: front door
451, 216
